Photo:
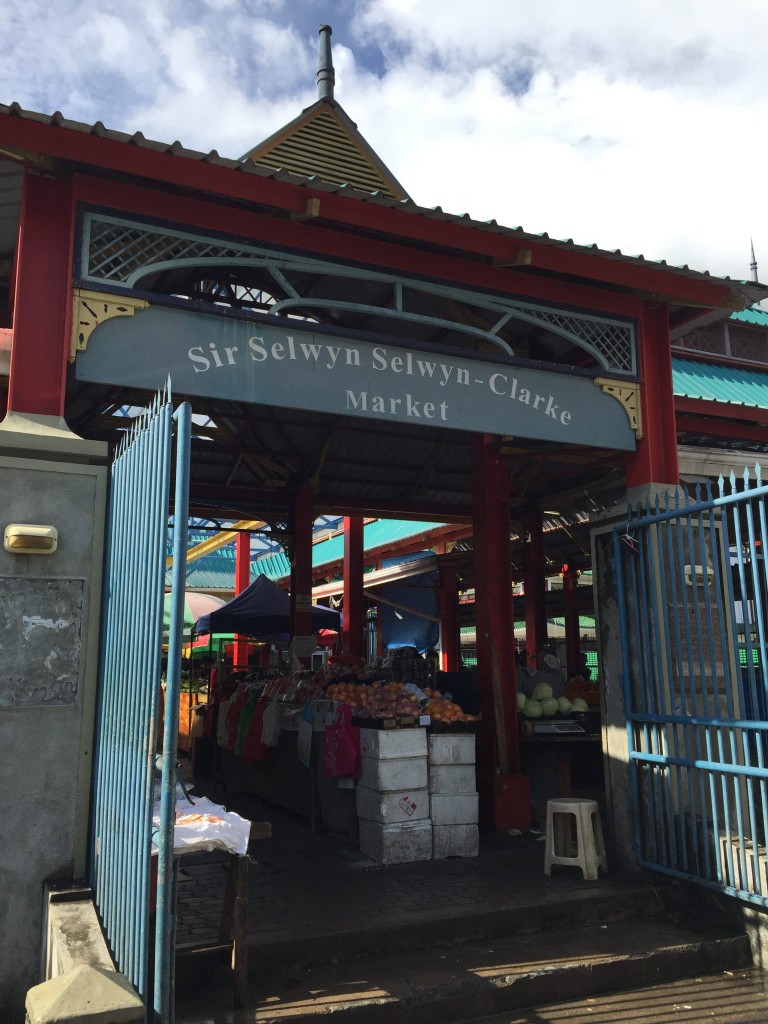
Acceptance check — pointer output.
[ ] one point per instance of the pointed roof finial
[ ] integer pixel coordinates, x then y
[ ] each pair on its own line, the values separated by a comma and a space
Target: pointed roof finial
753, 264
326, 76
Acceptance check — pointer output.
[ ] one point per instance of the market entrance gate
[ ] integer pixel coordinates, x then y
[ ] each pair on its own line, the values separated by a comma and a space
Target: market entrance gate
122, 831
693, 596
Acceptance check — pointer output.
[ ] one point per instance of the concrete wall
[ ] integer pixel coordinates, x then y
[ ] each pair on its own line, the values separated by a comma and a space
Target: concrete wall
49, 613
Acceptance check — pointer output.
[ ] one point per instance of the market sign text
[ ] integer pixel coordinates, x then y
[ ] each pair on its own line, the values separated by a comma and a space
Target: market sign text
286, 366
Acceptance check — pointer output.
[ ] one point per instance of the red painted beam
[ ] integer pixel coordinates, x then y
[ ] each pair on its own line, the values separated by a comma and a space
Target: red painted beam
242, 581
42, 299
336, 243
723, 410
60, 143
734, 429
301, 567
655, 459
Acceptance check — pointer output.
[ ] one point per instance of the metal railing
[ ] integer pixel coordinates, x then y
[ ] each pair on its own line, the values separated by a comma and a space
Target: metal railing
692, 589
129, 694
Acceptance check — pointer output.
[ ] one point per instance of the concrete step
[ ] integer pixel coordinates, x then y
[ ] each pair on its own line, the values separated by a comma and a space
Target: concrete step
728, 997
416, 928
461, 981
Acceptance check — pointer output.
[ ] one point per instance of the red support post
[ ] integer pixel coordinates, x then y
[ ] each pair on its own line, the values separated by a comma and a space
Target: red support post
655, 459
42, 299
301, 570
353, 617
504, 793
571, 612
448, 605
534, 582
242, 582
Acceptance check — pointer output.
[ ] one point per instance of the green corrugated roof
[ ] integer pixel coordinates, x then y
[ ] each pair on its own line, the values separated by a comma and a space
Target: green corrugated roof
756, 316
381, 533
713, 382
217, 571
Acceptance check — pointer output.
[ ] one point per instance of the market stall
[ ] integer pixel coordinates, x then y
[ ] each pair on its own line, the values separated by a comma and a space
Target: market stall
351, 747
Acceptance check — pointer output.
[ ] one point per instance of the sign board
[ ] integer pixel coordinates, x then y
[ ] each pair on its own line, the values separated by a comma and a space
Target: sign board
303, 646
274, 362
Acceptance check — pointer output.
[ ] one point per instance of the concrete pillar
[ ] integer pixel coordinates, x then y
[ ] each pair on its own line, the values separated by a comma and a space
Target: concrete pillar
612, 705
85, 995
49, 634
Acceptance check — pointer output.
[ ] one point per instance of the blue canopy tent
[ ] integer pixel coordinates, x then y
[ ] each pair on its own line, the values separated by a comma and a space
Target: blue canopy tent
263, 611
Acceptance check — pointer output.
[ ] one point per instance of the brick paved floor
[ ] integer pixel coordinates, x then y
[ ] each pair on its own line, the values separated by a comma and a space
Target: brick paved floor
299, 882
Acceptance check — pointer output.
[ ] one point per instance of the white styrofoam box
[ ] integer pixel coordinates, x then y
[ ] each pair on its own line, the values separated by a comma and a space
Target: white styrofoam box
452, 748
386, 774
393, 742
450, 779
461, 809
455, 841
396, 844
390, 808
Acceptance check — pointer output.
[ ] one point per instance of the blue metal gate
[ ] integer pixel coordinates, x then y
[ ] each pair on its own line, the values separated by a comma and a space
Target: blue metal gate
125, 759
693, 597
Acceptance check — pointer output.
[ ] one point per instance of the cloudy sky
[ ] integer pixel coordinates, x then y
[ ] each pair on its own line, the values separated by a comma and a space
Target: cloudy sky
635, 124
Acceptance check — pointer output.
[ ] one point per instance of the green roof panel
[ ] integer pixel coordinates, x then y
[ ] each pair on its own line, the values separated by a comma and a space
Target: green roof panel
712, 382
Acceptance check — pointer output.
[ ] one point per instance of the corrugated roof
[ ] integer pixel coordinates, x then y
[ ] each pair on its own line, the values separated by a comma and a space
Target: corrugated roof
217, 571
755, 292
381, 533
756, 316
713, 382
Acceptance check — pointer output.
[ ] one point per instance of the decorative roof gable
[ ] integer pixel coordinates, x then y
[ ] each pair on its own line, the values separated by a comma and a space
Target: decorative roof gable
324, 142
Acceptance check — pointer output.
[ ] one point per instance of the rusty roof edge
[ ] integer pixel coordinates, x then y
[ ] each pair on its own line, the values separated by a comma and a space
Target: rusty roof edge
752, 292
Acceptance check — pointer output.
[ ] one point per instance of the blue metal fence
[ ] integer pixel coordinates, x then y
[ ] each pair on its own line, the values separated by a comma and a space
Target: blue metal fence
125, 762
693, 596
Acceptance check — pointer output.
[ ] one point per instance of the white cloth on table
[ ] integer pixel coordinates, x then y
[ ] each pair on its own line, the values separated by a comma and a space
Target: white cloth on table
204, 826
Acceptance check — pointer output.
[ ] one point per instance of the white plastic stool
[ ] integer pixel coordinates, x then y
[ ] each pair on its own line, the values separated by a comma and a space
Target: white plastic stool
574, 836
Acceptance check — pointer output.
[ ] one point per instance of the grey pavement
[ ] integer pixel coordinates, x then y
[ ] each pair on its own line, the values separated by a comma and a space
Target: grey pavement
314, 900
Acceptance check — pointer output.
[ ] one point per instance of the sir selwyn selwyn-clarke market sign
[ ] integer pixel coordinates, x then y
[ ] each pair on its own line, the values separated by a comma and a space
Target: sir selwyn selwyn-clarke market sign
281, 363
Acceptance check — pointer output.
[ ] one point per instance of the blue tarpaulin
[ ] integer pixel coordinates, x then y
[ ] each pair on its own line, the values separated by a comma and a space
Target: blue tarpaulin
403, 626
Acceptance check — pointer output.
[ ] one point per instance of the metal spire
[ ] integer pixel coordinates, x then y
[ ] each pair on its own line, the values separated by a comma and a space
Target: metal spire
753, 264
326, 76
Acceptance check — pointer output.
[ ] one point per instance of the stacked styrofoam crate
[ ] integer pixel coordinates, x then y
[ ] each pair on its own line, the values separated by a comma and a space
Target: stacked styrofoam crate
453, 795
392, 796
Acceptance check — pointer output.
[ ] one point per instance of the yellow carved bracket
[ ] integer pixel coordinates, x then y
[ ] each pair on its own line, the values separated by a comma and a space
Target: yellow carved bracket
628, 394
89, 309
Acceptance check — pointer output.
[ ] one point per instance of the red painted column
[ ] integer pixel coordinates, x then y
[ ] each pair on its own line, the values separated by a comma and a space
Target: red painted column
534, 583
242, 582
448, 605
571, 612
353, 616
301, 569
504, 793
655, 459
42, 299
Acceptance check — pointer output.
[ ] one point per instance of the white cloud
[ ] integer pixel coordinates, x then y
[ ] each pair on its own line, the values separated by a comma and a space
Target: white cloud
635, 125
